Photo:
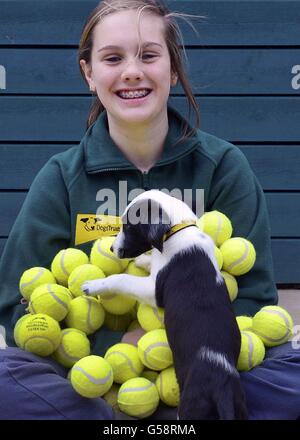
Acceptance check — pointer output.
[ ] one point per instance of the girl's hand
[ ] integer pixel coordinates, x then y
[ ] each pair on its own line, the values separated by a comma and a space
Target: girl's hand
133, 336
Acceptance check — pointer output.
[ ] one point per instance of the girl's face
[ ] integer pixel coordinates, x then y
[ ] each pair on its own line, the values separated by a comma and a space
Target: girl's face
114, 67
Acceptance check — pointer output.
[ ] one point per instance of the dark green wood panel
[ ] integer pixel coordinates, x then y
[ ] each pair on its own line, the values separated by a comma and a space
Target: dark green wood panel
235, 119
211, 71
20, 163
286, 258
276, 166
228, 22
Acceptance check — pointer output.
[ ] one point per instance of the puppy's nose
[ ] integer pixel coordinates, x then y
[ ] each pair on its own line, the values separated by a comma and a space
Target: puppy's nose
111, 248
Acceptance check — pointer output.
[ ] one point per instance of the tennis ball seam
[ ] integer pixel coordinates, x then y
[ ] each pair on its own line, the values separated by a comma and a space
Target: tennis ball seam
94, 380
129, 362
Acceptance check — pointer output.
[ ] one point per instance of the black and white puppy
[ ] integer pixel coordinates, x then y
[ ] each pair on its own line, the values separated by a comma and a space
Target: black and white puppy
185, 280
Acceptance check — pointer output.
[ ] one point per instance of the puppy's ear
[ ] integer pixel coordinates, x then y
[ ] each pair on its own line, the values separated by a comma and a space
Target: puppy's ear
160, 224
150, 213
156, 234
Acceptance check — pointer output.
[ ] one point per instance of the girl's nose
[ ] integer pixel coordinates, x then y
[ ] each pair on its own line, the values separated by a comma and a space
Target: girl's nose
132, 71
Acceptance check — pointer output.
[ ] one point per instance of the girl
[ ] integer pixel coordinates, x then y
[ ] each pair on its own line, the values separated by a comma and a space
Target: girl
130, 57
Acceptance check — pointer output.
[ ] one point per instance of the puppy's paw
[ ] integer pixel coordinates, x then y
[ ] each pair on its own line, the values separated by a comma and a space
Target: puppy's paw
95, 287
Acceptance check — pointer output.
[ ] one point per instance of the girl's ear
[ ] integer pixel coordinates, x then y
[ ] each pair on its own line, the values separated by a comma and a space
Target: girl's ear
88, 74
174, 79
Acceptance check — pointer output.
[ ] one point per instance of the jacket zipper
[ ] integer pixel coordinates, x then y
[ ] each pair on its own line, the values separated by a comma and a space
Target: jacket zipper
145, 178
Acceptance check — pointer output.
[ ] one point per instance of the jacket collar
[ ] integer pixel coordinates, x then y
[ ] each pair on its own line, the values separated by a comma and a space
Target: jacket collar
101, 153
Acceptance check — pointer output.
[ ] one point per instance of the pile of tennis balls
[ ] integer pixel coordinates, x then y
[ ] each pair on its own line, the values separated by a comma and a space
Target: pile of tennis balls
131, 379
235, 255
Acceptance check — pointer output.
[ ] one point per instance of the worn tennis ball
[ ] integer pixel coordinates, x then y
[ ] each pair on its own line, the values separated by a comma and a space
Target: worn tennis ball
238, 256
231, 284
86, 314
273, 325
216, 225
133, 325
103, 257
154, 350
117, 322
40, 334
83, 273
219, 257
51, 299
252, 351
133, 269
150, 318
33, 278
111, 397
244, 322
65, 261
74, 345
138, 397
117, 304
168, 388
124, 361
150, 375
92, 376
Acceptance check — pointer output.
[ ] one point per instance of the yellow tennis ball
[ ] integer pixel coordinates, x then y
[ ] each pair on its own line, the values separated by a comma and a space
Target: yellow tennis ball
65, 261
81, 274
134, 324
138, 397
219, 257
117, 322
18, 326
273, 325
74, 345
216, 225
33, 278
150, 375
150, 318
124, 361
103, 257
117, 304
40, 334
231, 284
154, 350
86, 314
51, 299
252, 351
238, 256
92, 376
244, 323
132, 269
168, 388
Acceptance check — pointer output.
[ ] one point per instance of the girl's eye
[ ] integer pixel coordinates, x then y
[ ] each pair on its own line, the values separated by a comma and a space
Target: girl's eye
148, 55
112, 59
145, 56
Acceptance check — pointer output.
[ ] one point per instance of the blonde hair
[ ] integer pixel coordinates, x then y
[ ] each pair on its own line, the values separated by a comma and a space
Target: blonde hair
173, 38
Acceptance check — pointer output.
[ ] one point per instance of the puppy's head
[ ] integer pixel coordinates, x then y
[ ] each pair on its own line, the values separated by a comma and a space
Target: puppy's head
144, 224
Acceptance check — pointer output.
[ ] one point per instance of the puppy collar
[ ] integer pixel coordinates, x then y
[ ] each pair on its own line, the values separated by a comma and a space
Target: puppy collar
177, 228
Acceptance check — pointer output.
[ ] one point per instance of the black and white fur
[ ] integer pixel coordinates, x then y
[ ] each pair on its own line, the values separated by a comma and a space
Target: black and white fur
185, 280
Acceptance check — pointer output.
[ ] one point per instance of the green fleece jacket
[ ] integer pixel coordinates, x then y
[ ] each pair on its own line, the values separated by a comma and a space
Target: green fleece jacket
76, 182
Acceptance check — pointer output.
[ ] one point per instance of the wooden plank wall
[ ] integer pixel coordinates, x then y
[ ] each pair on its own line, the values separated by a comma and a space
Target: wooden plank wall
244, 65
